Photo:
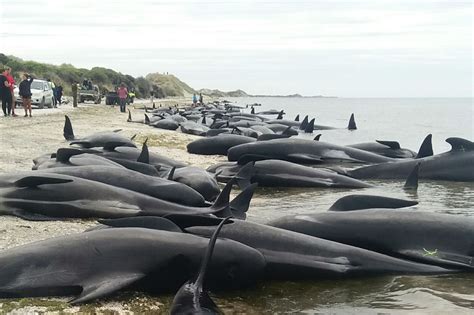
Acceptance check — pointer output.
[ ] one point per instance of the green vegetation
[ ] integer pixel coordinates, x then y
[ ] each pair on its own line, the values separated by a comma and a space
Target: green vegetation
162, 85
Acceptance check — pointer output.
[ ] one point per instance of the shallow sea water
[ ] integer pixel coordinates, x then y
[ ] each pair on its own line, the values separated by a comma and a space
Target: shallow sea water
407, 121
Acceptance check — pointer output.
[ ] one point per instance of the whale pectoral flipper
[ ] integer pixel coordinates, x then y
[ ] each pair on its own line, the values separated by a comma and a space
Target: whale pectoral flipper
304, 158
103, 287
33, 181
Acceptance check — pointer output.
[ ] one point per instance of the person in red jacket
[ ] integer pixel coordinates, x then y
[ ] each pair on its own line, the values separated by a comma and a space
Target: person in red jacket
11, 80
122, 94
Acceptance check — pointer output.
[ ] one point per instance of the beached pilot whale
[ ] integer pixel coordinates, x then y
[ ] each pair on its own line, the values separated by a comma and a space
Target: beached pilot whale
431, 238
392, 148
454, 165
98, 263
46, 196
217, 145
277, 173
288, 255
303, 152
150, 185
358, 202
98, 139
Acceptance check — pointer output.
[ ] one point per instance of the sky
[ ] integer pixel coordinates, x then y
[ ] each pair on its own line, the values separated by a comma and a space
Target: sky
372, 48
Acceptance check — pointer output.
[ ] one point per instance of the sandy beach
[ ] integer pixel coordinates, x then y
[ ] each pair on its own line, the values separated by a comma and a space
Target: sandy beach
26, 138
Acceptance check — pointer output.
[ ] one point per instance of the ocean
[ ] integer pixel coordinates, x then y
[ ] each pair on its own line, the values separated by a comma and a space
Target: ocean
407, 120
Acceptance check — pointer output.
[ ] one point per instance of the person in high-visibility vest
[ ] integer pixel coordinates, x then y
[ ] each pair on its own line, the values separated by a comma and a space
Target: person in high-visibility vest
131, 95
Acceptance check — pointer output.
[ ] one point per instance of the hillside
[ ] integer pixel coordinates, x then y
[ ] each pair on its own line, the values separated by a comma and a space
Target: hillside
217, 93
163, 85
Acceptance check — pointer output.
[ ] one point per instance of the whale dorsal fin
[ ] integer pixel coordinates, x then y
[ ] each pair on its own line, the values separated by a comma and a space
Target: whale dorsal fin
129, 119
33, 181
171, 174
304, 123
412, 179
310, 126
460, 144
67, 131
64, 154
426, 148
144, 156
318, 136
352, 124
297, 118
394, 145
147, 119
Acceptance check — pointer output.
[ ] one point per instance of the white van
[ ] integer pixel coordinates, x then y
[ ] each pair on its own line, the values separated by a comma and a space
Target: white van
42, 94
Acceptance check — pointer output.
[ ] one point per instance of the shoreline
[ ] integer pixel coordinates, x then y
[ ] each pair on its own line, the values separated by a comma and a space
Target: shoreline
26, 138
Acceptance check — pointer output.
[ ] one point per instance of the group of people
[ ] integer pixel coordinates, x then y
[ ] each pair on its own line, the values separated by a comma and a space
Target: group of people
7, 84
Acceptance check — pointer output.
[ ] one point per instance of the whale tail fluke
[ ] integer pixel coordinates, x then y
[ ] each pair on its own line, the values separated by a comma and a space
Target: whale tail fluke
426, 148
412, 180
238, 207
191, 298
352, 124
245, 174
67, 131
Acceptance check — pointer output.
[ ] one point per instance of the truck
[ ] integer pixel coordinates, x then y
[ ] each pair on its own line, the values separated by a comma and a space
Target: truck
89, 95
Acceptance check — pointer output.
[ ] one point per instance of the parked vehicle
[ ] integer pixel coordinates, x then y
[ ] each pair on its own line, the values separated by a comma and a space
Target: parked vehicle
111, 98
42, 94
89, 95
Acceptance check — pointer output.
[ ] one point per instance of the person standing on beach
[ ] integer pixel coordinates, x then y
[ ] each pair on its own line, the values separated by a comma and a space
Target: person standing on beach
194, 99
59, 93
74, 94
200, 99
53, 88
122, 94
11, 80
5, 93
25, 93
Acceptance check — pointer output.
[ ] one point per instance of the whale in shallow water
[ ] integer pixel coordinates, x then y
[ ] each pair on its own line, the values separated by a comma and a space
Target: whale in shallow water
431, 238
454, 165
303, 151
277, 173
289, 255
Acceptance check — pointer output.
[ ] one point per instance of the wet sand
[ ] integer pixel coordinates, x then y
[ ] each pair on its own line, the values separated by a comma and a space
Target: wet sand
26, 138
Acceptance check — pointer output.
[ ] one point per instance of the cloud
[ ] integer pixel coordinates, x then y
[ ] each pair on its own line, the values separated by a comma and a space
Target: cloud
218, 37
